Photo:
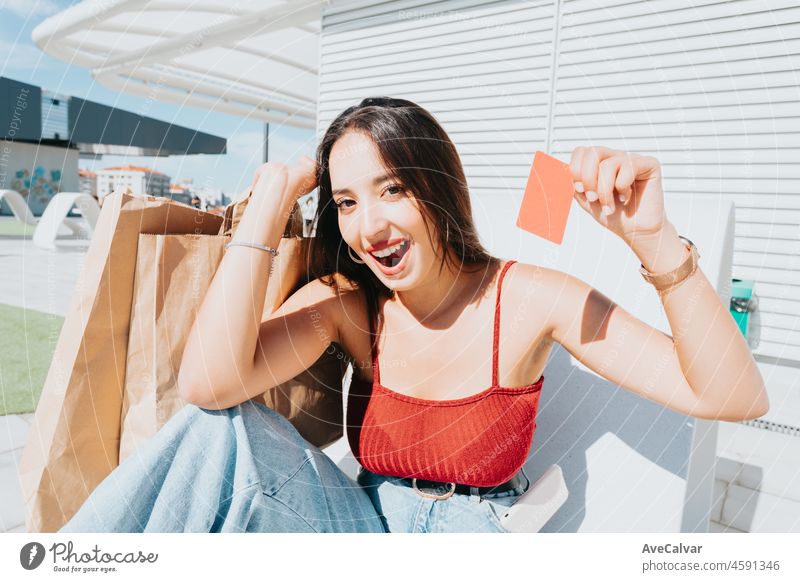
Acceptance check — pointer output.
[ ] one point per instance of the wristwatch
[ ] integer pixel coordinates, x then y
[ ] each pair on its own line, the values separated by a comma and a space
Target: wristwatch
664, 281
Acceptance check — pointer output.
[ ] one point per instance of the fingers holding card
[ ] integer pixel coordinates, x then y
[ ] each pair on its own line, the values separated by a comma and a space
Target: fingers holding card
622, 191
547, 199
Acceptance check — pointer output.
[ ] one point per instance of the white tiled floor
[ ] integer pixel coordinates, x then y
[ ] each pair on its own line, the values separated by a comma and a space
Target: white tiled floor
13, 432
757, 511
757, 486
757, 477
715, 527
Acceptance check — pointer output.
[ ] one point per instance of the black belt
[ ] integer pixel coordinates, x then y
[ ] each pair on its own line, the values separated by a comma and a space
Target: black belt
443, 490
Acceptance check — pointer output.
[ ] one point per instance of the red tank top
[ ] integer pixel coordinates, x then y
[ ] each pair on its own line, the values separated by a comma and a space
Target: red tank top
480, 440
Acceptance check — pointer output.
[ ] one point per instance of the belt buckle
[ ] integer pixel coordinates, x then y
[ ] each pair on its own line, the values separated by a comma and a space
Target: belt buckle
432, 495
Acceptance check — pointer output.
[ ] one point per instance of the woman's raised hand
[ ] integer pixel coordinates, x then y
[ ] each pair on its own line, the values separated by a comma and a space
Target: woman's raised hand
621, 190
303, 176
286, 183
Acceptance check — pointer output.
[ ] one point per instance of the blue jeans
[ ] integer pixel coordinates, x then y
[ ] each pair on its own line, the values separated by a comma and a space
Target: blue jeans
247, 469
402, 509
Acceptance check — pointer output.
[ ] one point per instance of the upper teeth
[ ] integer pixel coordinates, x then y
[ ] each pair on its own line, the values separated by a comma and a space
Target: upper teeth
389, 250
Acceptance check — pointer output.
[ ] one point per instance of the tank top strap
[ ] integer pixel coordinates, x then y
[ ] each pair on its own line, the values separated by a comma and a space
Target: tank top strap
496, 341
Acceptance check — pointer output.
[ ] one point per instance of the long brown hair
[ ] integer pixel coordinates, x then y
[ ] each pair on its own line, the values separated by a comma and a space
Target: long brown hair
419, 154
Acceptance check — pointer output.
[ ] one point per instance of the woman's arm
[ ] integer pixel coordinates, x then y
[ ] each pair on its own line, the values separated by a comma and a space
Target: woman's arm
221, 348
705, 369
688, 372
713, 353
289, 341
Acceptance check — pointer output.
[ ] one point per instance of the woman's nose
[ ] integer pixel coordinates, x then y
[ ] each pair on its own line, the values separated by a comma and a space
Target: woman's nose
374, 223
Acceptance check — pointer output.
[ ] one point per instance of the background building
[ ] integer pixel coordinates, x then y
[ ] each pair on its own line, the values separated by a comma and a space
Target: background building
44, 135
140, 180
210, 197
180, 193
87, 181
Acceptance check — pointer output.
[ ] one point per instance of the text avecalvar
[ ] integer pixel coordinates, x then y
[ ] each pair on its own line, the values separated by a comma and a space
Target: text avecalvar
671, 549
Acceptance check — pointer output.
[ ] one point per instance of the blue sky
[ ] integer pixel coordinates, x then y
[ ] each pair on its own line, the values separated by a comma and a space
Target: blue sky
22, 60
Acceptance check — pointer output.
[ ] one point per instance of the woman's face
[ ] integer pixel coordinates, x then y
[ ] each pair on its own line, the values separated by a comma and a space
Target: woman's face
375, 209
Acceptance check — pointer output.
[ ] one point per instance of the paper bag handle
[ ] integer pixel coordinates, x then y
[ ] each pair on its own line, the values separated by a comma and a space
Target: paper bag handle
234, 211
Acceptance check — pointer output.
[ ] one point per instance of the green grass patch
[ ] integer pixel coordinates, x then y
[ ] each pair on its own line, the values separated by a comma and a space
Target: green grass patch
15, 228
27, 341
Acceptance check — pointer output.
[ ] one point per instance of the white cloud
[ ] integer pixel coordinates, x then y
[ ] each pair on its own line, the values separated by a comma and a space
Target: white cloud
28, 8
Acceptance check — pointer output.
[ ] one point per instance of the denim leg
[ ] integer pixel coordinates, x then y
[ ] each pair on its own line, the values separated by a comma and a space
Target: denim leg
165, 484
223, 470
325, 498
302, 485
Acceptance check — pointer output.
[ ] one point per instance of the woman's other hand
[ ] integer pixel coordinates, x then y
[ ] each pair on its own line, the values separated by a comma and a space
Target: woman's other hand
287, 183
621, 190
303, 176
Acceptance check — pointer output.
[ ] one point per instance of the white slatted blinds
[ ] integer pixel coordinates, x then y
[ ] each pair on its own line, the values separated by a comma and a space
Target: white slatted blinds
709, 87
482, 68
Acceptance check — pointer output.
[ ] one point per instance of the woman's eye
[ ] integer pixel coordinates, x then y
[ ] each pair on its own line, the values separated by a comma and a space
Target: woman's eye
341, 203
398, 189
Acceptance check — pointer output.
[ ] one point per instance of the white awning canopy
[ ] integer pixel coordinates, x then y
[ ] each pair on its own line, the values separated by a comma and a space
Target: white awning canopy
257, 59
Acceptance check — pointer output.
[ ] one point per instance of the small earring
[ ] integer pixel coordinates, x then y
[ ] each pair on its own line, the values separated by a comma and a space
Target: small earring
354, 259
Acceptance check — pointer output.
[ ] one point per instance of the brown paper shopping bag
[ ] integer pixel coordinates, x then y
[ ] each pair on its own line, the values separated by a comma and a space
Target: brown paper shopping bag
74, 441
172, 272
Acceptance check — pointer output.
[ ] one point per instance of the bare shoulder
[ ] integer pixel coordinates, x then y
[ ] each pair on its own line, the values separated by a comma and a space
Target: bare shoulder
548, 294
567, 299
530, 278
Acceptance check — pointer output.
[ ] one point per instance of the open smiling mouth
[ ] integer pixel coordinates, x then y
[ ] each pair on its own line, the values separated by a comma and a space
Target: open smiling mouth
394, 258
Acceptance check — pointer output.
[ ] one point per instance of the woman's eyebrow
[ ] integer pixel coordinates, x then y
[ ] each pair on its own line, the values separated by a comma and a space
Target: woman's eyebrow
376, 182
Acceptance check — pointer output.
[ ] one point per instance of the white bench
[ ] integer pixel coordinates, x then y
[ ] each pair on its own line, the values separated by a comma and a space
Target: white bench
55, 215
21, 210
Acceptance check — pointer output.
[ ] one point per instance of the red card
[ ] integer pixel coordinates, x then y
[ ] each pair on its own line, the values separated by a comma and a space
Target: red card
548, 198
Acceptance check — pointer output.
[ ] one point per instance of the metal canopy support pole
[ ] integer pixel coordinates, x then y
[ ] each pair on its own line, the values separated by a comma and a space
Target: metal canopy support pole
266, 142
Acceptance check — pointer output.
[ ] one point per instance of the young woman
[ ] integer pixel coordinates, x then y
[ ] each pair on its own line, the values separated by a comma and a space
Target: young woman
442, 373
